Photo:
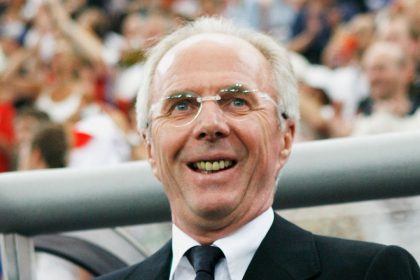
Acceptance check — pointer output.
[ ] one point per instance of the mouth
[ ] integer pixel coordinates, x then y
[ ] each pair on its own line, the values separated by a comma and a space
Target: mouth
211, 166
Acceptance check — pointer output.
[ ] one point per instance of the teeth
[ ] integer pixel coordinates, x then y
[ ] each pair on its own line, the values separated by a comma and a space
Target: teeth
209, 166
212, 165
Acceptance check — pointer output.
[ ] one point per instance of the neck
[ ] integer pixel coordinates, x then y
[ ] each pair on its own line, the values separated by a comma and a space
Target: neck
206, 231
399, 104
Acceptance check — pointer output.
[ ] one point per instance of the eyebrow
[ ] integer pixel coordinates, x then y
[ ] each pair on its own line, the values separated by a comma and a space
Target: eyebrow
179, 93
236, 85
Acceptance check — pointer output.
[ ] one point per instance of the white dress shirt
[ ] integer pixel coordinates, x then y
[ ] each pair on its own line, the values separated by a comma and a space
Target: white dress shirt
238, 248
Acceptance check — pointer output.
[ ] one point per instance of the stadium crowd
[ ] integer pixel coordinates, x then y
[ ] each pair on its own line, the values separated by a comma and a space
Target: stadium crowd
70, 70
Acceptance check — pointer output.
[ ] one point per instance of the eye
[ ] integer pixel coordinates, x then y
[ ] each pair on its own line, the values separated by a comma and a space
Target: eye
238, 102
182, 105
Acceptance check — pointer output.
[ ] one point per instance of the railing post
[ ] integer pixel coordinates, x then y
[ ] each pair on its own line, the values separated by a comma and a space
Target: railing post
17, 253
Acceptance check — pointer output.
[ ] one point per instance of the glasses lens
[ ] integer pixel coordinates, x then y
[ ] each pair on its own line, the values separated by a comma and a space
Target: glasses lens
238, 101
179, 109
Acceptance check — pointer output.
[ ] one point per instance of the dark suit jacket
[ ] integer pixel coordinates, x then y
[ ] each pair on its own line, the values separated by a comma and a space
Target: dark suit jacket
289, 252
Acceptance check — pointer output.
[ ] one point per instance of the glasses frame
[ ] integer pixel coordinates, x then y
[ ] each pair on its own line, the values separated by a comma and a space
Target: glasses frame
216, 97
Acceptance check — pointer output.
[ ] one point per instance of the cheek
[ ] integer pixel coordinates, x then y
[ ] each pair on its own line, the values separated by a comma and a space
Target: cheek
166, 146
269, 141
269, 131
262, 138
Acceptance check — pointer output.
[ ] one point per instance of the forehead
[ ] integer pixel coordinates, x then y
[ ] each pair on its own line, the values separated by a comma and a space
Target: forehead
211, 60
381, 57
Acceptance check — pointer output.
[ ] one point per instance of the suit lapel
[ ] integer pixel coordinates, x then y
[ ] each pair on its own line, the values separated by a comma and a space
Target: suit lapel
287, 252
156, 267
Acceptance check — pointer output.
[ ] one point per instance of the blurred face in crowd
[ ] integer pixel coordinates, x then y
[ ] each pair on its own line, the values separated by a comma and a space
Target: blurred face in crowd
43, 20
398, 31
144, 32
212, 7
153, 29
64, 63
385, 73
25, 127
132, 27
218, 169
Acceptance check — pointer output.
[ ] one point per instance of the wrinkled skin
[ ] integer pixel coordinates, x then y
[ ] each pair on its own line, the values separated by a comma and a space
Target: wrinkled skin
208, 206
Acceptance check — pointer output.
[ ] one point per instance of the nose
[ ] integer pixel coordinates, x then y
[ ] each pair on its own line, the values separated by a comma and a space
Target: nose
211, 123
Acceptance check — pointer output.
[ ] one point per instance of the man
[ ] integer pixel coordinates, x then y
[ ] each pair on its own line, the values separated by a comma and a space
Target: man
27, 123
49, 148
388, 108
218, 109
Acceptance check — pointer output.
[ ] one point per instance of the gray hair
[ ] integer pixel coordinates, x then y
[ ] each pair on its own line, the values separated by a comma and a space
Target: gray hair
277, 56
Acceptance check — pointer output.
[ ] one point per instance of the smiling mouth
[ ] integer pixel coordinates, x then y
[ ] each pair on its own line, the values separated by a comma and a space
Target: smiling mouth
211, 166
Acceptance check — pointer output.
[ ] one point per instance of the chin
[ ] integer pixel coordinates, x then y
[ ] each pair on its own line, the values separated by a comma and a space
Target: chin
215, 211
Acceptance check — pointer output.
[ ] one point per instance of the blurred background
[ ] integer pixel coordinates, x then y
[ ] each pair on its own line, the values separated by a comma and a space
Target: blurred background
70, 70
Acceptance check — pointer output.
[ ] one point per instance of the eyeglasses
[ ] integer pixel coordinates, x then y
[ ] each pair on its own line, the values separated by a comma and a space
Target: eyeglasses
236, 102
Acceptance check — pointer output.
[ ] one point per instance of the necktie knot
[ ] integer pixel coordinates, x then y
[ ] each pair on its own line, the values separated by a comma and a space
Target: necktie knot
204, 260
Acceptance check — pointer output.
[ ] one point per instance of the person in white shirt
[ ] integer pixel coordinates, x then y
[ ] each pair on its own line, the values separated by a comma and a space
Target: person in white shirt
388, 108
218, 109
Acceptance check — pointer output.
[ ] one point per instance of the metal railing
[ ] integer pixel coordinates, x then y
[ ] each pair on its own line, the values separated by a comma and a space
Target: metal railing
318, 173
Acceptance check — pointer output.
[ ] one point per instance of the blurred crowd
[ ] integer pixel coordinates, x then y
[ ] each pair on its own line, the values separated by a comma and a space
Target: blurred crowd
70, 70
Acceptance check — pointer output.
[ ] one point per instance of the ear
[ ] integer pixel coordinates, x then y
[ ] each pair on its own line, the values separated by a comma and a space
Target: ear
287, 138
150, 154
36, 161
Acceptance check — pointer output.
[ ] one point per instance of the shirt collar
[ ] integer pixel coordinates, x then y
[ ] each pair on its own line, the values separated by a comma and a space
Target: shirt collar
238, 247
181, 243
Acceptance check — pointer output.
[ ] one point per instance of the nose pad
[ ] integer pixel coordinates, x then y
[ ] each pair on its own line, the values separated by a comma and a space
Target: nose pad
210, 122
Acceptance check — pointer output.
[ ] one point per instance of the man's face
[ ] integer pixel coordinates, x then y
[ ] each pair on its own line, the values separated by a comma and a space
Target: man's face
251, 147
384, 75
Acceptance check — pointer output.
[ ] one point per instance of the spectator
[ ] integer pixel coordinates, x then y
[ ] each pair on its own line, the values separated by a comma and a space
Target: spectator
414, 21
28, 122
315, 104
21, 75
400, 30
313, 27
274, 17
349, 41
347, 84
12, 21
388, 108
140, 33
49, 148
211, 7
63, 96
